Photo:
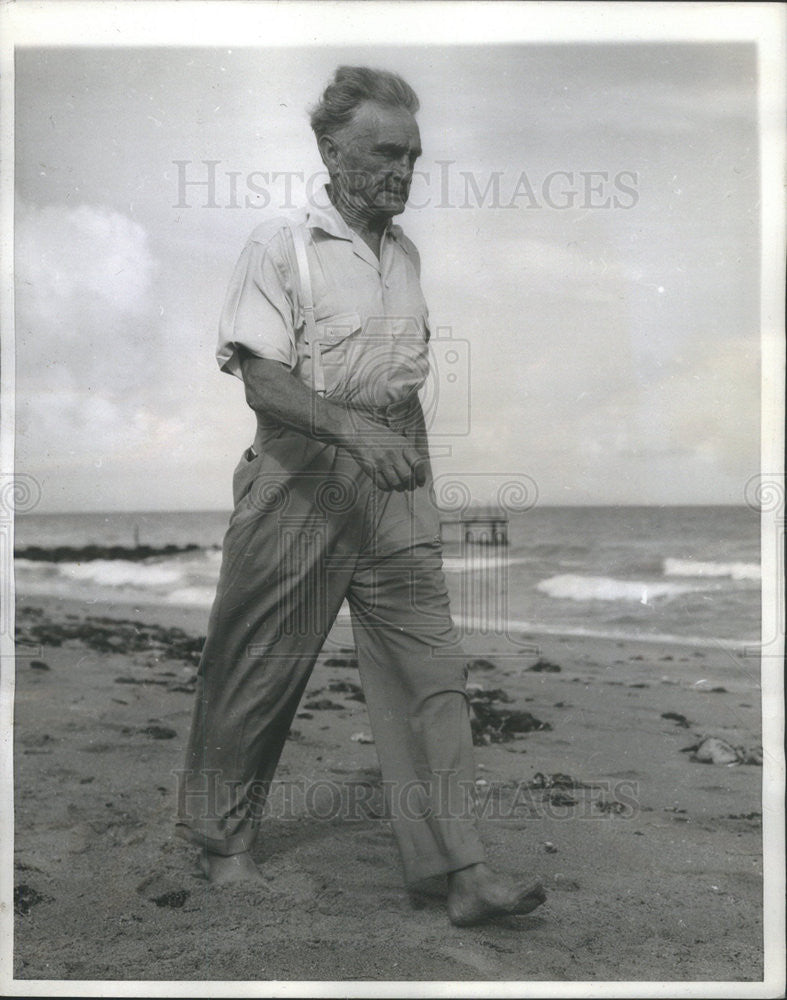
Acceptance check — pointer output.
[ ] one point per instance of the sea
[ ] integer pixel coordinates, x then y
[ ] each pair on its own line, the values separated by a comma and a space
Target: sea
690, 574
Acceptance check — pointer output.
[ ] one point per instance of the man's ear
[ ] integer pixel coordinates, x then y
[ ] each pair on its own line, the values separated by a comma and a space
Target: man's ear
329, 152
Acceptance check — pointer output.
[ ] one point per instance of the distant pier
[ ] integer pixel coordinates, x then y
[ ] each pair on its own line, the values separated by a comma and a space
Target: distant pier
479, 526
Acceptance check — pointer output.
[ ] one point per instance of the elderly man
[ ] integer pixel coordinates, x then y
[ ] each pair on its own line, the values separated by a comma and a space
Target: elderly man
326, 324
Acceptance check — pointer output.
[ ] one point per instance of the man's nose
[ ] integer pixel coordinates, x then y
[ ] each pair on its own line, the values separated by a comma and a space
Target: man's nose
403, 169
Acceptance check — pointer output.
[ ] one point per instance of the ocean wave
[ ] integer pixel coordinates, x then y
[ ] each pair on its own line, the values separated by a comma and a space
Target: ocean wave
482, 559
197, 597
734, 570
569, 586
535, 628
182, 581
120, 573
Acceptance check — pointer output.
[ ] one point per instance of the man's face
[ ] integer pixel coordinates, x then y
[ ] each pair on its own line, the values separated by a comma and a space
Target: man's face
373, 159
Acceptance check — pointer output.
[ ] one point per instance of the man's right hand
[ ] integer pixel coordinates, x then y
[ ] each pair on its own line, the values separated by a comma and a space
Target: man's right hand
388, 459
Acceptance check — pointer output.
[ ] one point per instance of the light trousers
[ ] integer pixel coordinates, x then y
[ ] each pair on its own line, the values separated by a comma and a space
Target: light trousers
310, 529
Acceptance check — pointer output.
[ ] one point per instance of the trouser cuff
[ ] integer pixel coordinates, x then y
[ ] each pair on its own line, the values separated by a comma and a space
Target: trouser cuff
237, 844
418, 871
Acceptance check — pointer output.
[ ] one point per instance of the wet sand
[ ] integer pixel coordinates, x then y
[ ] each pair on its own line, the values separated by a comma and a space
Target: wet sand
651, 859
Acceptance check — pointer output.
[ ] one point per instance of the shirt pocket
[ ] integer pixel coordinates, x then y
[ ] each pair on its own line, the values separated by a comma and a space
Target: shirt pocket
331, 351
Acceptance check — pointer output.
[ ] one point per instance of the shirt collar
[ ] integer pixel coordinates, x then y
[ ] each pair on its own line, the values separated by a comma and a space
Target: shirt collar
330, 221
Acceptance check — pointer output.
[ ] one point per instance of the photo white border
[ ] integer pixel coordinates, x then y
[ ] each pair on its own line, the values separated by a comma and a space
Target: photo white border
215, 23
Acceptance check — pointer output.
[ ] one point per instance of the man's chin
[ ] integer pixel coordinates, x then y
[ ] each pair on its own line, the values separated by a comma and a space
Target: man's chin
391, 205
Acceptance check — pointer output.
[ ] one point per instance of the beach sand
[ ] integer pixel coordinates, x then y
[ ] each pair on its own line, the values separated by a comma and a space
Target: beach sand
653, 869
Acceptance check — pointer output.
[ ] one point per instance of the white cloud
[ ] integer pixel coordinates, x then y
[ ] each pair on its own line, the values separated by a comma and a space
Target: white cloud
67, 254
583, 371
84, 315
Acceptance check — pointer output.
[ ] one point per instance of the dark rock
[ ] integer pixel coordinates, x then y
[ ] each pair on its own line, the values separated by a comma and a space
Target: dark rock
353, 691
26, 897
321, 704
545, 667
489, 694
557, 780
35, 739
558, 798
492, 725
174, 899
144, 680
157, 732
163, 891
39, 665
521, 722
481, 664
89, 553
337, 661
611, 807
676, 717
110, 635
714, 750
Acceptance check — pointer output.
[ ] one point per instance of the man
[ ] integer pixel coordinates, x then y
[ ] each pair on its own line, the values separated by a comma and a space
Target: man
327, 326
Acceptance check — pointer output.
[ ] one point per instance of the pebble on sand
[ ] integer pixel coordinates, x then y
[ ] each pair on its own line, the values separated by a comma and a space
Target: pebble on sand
481, 664
715, 750
545, 667
676, 717
157, 732
163, 891
26, 897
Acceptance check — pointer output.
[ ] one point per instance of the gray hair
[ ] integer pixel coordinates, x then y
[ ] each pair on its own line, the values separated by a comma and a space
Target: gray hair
350, 87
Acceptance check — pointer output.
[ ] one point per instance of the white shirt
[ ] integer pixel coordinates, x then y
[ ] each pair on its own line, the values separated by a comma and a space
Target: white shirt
371, 316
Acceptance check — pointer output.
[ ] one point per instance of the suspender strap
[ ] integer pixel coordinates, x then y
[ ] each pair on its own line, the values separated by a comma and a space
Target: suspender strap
307, 304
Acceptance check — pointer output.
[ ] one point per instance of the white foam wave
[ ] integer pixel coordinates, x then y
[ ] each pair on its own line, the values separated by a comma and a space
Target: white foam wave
475, 626
734, 570
121, 573
200, 597
569, 586
482, 559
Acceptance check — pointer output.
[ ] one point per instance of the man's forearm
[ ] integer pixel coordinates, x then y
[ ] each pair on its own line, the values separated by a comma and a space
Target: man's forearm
272, 391
390, 460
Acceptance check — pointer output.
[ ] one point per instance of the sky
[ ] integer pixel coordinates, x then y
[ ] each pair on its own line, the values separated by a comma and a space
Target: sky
588, 223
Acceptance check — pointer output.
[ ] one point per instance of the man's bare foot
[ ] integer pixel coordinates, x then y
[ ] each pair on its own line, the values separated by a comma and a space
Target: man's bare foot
223, 870
476, 894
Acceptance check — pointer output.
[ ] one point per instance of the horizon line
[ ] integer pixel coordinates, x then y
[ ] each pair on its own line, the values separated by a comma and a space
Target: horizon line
447, 510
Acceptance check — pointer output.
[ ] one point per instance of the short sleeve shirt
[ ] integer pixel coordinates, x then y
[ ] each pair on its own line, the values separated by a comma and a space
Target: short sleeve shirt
370, 346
